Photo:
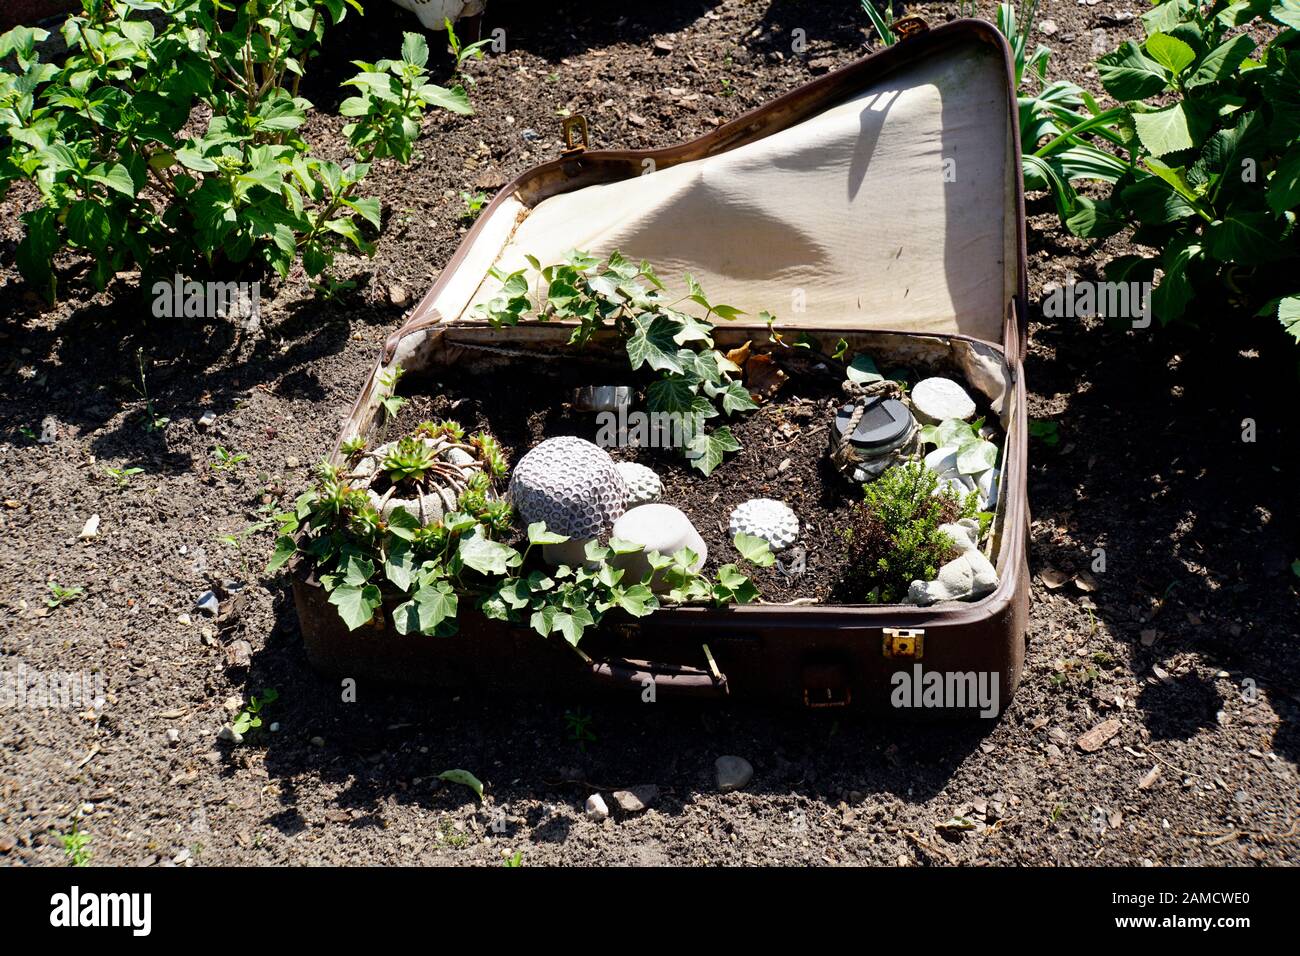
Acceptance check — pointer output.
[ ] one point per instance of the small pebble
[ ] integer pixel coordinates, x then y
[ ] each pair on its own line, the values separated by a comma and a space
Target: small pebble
732, 773
596, 807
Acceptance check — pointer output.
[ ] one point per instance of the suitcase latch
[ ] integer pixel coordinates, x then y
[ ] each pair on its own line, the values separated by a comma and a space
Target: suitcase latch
575, 134
909, 26
906, 644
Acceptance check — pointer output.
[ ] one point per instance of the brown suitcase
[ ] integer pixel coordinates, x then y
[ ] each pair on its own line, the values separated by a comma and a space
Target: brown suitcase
890, 193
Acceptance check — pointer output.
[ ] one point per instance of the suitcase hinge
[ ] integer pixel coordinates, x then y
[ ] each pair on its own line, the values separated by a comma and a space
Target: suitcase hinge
905, 644
575, 134
909, 26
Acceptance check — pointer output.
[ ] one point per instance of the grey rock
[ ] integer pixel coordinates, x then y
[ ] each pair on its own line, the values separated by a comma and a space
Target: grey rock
936, 400
173, 737
636, 799
732, 773
230, 734
206, 421
49, 430
596, 807
208, 603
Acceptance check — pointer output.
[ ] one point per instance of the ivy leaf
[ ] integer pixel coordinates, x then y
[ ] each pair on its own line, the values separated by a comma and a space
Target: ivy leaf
356, 569
707, 449
402, 524
572, 623
537, 534
543, 620
862, 370
284, 550
755, 550
652, 344
356, 604
1288, 313
399, 565
637, 600
736, 398
486, 556
429, 607
976, 456
623, 546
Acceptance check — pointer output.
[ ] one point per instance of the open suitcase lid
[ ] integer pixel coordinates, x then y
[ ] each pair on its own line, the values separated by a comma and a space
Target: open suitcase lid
884, 196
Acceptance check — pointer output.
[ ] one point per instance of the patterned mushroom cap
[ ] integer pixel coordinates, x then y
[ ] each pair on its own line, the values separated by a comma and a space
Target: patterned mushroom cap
643, 485
570, 484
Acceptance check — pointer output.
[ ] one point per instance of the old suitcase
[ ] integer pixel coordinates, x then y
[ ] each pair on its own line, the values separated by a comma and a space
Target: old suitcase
889, 194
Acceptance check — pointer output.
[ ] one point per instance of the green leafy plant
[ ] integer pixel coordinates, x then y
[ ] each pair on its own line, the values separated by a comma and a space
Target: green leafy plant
464, 52
893, 536
693, 381
153, 422
60, 595
392, 402
974, 453
882, 20
75, 843
223, 459
163, 141
1049, 433
470, 558
579, 724
1209, 121
123, 476
474, 203
250, 716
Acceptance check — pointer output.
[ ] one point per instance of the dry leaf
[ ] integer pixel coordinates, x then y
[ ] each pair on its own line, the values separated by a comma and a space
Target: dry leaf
739, 356
1096, 738
1053, 578
1086, 582
762, 376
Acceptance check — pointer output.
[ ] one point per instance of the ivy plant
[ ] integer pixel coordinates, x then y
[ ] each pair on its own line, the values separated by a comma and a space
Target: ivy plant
169, 136
474, 557
691, 380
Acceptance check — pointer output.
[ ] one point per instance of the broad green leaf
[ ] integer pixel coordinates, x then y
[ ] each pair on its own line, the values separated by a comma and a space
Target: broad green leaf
736, 398
1170, 52
537, 534
465, 779
1164, 131
623, 546
487, 556
415, 49
976, 456
403, 524
707, 449
454, 99
356, 605
1288, 313
652, 344
1246, 237
571, 624
1222, 62
862, 370
1284, 186
755, 550
429, 607
1129, 74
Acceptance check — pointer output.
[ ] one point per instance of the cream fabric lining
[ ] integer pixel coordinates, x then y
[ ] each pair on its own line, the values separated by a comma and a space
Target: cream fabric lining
891, 210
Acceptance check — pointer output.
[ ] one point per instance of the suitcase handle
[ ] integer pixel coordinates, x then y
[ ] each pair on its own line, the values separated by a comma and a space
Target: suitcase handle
678, 679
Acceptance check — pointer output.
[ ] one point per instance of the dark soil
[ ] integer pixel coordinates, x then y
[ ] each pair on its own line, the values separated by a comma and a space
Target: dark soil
1188, 638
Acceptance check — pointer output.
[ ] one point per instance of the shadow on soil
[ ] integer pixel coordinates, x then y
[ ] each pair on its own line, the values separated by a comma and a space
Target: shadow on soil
538, 747
1175, 458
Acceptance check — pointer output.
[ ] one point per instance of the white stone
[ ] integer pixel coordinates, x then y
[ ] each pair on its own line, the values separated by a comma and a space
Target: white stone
656, 527
643, 485
766, 518
987, 482
596, 807
90, 529
936, 400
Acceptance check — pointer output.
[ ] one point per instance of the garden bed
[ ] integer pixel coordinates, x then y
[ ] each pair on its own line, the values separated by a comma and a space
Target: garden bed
784, 446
